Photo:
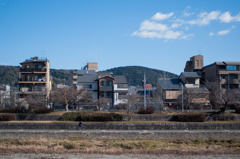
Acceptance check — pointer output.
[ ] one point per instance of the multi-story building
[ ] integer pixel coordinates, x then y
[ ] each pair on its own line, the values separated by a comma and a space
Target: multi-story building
34, 78
227, 74
120, 90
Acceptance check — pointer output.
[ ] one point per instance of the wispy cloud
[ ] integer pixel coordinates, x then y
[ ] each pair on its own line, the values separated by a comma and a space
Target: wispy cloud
211, 34
186, 12
160, 16
223, 32
205, 18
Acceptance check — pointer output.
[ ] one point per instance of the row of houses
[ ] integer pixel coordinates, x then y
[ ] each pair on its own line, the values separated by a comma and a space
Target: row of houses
226, 75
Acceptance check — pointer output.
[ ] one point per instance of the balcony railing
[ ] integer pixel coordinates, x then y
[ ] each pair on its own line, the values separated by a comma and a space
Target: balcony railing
33, 70
30, 90
33, 80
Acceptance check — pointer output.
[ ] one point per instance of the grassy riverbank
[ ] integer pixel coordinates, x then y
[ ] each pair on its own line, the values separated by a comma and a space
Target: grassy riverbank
120, 146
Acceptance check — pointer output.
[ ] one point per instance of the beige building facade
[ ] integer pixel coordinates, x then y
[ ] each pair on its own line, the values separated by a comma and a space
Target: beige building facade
34, 78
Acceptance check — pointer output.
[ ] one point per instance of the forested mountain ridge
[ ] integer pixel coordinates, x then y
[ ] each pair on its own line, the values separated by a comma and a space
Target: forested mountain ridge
134, 75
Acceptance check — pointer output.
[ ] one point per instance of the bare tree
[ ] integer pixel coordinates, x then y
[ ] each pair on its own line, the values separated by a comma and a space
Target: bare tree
102, 102
85, 99
132, 101
35, 100
67, 96
222, 98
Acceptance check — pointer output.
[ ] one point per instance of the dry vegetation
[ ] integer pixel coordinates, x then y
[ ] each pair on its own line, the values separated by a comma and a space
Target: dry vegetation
120, 146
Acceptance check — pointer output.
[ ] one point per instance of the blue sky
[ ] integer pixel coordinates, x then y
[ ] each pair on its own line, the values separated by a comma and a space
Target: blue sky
157, 34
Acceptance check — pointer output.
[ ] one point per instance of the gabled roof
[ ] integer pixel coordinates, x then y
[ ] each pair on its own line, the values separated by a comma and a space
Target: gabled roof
170, 83
120, 79
190, 74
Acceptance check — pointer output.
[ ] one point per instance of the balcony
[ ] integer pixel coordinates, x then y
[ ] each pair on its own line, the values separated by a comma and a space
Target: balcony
43, 70
74, 77
234, 81
106, 88
30, 90
39, 80
231, 81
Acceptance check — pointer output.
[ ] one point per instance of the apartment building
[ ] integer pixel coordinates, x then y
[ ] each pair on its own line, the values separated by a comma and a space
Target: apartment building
34, 78
227, 74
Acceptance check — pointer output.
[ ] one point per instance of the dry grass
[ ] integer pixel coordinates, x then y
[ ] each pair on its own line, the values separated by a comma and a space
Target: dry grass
120, 146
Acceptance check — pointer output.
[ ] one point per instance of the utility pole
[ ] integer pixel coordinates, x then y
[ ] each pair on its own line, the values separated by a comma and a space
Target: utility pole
144, 87
182, 99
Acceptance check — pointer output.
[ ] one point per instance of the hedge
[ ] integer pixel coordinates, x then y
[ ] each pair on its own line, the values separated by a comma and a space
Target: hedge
91, 116
148, 110
7, 117
224, 117
190, 117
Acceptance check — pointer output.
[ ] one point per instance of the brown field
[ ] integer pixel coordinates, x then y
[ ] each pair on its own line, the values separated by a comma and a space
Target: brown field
120, 146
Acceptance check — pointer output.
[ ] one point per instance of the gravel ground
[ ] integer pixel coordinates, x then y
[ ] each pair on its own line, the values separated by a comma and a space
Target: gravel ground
101, 156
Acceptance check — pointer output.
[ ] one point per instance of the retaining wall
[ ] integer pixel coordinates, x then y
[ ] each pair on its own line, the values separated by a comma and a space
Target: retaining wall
122, 126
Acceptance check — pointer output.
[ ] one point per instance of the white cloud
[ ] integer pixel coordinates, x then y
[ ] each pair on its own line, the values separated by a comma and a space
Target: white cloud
152, 26
159, 35
186, 12
160, 16
175, 25
211, 34
187, 37
223, 32
205, 18
226, 17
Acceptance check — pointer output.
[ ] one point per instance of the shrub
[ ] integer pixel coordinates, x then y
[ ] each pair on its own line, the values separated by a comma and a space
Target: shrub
7, 117
121, 107
237, 109
91, 116
15, 110
148, 110
43, 110
193, 117
224, 117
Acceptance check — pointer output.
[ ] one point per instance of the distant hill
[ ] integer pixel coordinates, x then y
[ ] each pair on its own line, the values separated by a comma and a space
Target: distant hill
9, 75
134, 74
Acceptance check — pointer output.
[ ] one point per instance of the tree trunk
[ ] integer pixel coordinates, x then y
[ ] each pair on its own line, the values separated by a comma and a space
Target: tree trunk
66, 107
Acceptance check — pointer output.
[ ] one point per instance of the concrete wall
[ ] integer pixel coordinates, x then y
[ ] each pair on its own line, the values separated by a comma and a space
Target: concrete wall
122, 126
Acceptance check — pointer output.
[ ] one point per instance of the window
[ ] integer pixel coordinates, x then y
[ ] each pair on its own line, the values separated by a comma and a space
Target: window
106, 83
231, 68
89, 86
190, 81
109, 95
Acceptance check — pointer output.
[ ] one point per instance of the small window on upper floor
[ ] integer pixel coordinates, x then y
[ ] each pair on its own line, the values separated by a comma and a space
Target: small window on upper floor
231, 68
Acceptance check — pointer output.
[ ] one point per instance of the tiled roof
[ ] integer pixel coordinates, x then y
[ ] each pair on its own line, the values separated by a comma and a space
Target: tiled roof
190, 74
87, 78
170, 83
119, 79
